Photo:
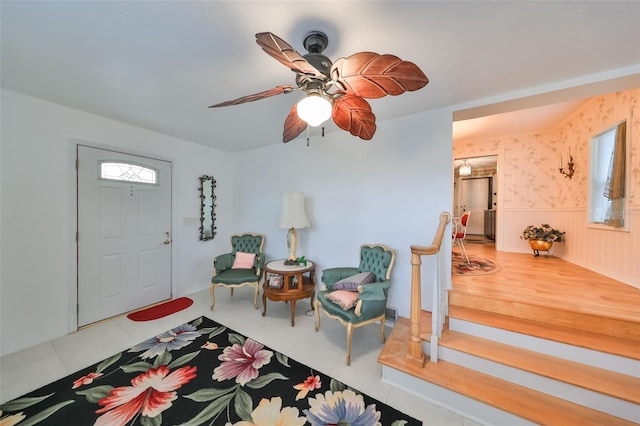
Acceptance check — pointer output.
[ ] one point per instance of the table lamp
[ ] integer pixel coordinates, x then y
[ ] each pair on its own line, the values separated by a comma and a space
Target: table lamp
292, 216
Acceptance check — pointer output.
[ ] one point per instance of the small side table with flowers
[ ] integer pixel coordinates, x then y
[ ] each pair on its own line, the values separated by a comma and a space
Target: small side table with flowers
283, 282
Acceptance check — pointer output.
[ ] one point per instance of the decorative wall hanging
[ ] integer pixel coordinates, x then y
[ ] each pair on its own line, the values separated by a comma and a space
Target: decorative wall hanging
207, 207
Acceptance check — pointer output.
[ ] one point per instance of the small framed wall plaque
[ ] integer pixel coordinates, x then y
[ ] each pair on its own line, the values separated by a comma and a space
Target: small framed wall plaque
275, 281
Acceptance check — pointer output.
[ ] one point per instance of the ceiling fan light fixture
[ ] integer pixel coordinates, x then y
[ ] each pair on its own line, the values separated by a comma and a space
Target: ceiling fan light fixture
314, 109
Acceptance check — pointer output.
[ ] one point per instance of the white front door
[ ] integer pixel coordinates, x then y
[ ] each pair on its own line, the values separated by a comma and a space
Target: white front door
474, 196
124, 233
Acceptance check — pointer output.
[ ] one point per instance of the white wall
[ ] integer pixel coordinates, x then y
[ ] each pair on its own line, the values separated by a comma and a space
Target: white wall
37, 281
389, 190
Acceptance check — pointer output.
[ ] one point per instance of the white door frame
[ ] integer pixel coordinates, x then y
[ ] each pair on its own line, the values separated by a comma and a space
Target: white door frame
73, 220
499, 188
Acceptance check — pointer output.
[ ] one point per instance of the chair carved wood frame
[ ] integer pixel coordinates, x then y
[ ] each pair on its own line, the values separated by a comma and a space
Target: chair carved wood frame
224, 275
372, 298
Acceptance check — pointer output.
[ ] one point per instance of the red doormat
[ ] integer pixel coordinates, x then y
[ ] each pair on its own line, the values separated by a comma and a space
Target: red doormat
161, 310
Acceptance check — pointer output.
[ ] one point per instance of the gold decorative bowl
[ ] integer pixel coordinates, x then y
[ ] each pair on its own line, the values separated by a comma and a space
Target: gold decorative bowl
538, 245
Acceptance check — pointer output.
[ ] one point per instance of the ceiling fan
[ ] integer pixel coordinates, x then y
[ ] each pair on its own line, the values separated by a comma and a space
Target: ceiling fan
335, 90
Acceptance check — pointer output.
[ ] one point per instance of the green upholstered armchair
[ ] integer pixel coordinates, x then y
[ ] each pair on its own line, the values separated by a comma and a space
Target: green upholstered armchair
371, 297
241, 267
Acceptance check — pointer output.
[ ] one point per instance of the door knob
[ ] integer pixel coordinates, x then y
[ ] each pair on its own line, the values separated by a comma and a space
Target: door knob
167, 240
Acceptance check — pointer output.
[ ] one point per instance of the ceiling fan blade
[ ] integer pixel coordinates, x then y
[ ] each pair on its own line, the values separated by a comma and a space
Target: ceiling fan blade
353, 114
372, 75
278, 90
282, 51
293, 125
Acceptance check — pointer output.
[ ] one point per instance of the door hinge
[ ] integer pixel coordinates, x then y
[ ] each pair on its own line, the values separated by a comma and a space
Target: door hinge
77, 236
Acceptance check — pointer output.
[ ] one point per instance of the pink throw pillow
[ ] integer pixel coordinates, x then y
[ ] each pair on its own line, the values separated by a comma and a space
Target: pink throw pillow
243, 260
344, 298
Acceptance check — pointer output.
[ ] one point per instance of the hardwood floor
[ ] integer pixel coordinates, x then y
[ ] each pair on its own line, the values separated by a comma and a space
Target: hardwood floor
550, 281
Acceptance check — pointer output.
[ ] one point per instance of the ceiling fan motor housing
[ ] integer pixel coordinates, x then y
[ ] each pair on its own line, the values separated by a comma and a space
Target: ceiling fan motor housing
315, 42
321, 62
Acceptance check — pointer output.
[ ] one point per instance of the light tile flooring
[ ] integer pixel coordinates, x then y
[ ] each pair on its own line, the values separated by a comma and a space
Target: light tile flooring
324, 351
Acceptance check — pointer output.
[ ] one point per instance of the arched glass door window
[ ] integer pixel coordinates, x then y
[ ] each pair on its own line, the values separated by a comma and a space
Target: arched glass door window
128, 172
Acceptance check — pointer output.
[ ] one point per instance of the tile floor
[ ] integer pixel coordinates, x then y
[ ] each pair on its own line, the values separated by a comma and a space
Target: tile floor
31, 368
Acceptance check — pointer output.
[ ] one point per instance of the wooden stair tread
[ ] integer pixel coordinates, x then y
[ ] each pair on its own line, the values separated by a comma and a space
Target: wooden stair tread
606, 382
553, 303
584, 339
515, 399
556, 316
592, 378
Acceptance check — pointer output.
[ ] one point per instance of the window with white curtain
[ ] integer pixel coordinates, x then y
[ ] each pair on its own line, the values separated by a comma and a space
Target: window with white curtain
607, 177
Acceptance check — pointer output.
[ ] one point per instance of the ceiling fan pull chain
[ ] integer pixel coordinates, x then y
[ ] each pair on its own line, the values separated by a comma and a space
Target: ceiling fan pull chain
308, 135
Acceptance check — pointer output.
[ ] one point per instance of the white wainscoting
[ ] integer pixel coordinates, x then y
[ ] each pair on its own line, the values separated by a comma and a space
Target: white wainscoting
615, 254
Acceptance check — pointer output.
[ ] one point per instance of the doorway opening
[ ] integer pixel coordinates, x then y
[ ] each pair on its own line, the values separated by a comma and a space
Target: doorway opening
474, 190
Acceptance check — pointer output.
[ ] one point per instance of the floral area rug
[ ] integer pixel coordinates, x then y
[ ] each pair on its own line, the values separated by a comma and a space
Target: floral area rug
477, 239
477, 265
198, 373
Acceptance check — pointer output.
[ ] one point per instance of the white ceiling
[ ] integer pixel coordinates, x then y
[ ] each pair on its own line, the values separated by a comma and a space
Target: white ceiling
515, 122
159, 64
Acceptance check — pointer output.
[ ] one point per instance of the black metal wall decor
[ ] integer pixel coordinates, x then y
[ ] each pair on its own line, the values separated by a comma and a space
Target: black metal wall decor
207, 207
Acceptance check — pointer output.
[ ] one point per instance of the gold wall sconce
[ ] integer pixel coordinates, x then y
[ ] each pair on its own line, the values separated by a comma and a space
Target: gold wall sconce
570, 170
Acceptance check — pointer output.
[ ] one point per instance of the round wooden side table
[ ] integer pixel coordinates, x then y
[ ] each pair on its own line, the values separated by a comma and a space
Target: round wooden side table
291, 286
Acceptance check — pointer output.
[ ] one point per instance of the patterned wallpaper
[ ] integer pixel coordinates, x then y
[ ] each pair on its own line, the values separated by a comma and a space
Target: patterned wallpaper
531, 161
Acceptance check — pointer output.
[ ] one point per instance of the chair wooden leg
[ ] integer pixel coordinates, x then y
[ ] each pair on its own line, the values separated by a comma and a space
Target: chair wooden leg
255, 296
231, 288
384, 339
317, 315
213, 296
349, 335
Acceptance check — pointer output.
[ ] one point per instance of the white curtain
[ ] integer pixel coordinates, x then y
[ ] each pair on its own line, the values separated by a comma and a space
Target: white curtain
614, 188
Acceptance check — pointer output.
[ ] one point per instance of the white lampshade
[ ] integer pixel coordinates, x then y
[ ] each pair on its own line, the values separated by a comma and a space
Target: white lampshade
314, 109
292, 214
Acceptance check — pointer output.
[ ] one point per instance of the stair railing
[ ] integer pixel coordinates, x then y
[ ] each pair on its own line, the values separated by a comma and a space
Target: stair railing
439, 308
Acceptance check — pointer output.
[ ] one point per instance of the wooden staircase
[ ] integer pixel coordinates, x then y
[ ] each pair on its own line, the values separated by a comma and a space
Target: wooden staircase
508, 357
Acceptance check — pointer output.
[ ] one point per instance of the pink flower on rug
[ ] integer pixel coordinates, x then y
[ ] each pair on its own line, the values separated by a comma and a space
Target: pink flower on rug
241, 362
150, 394
85, 380
308, 385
